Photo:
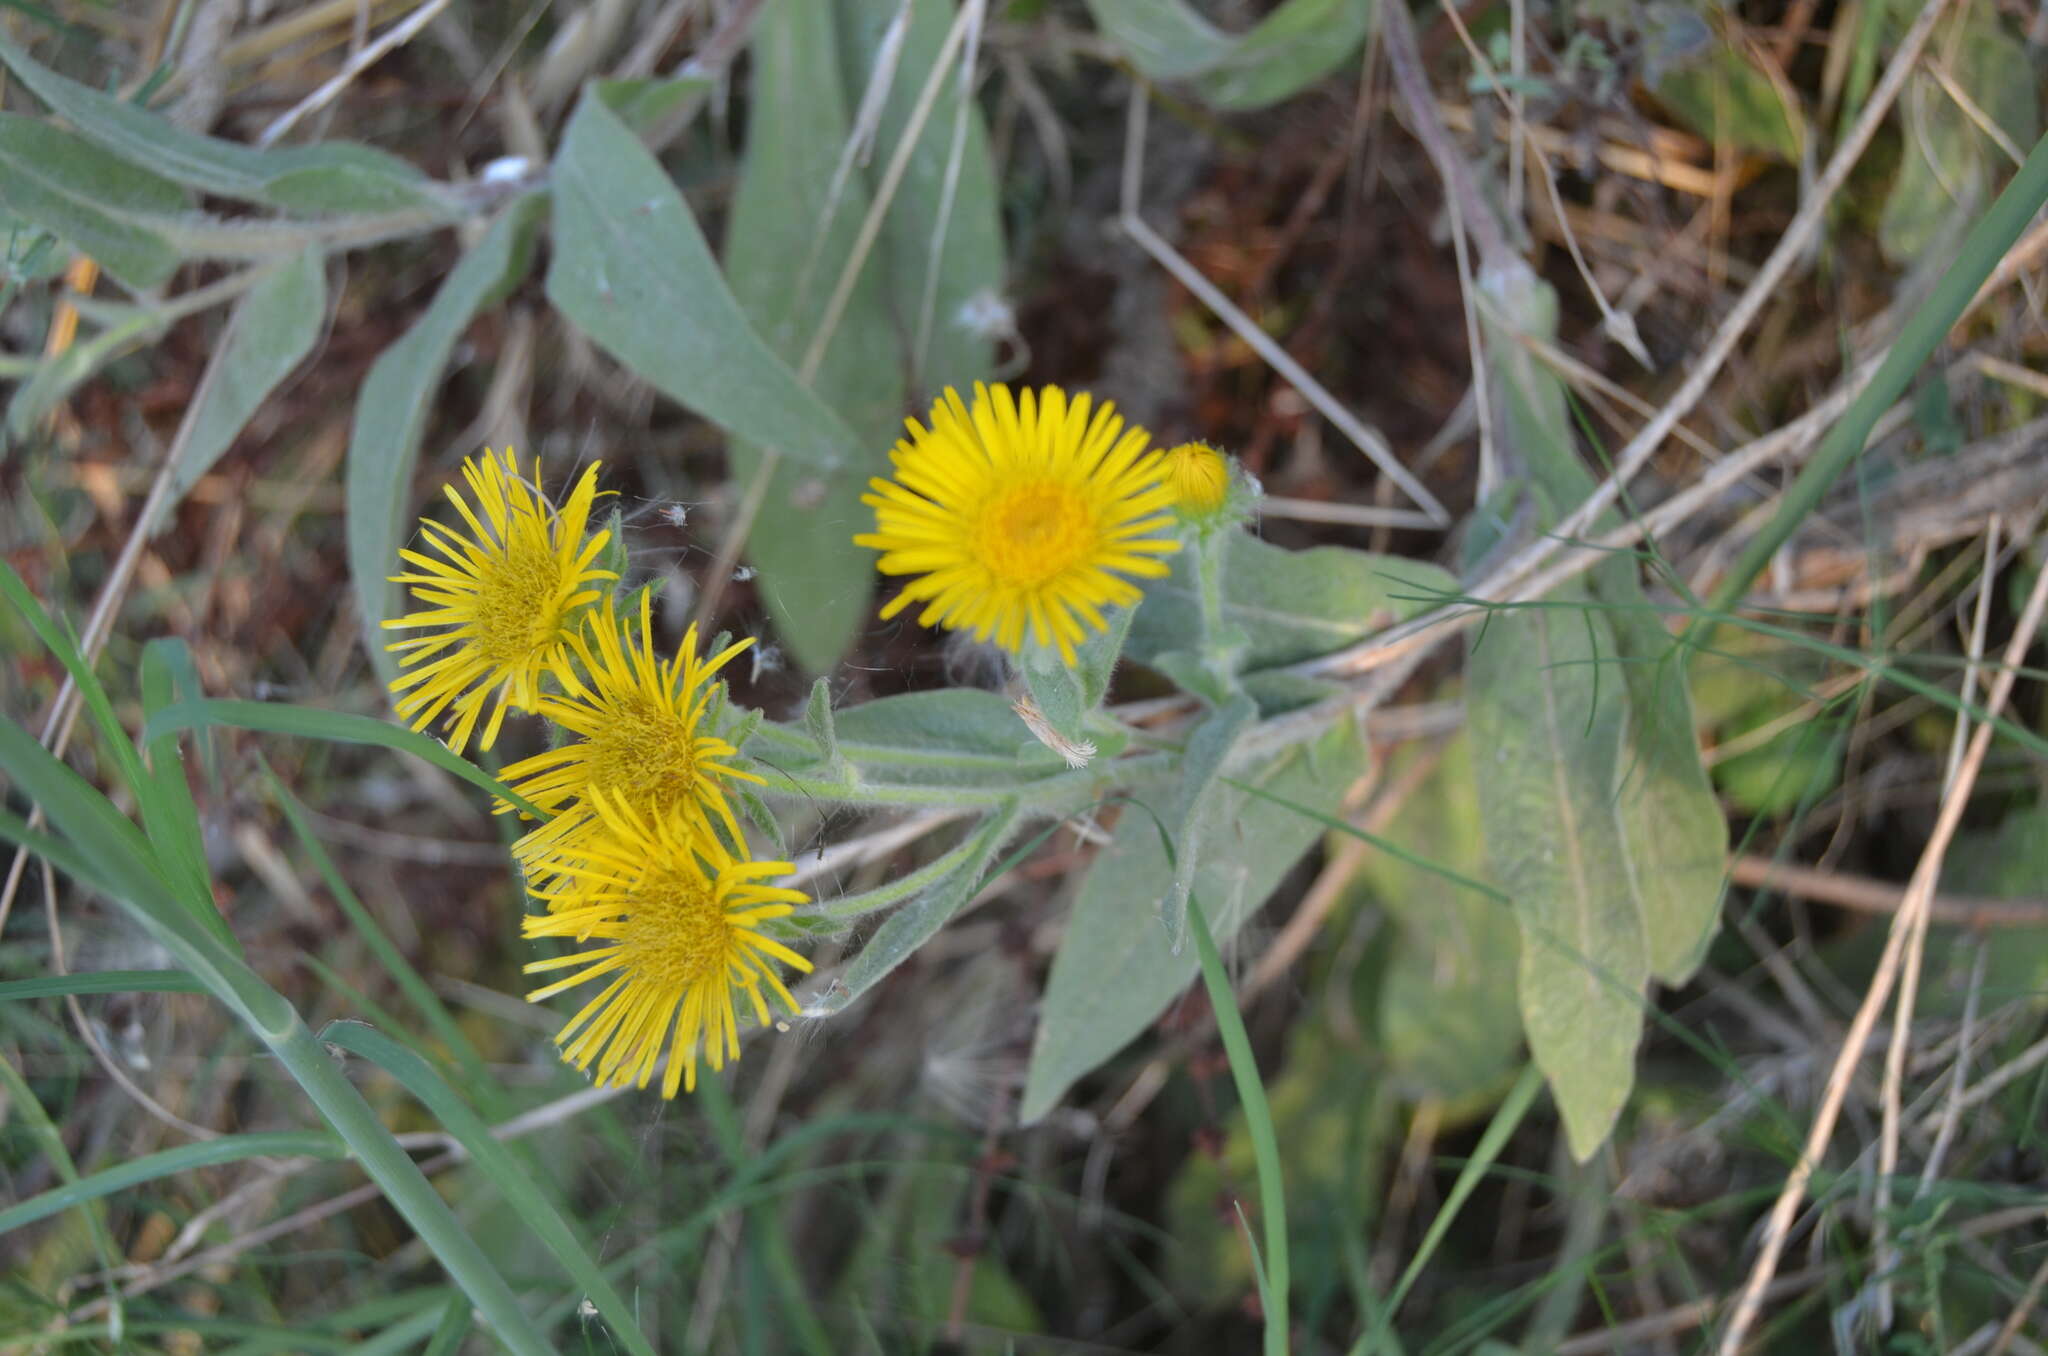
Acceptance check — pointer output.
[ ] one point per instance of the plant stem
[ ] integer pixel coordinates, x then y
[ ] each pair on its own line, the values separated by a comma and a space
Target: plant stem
1258, 1119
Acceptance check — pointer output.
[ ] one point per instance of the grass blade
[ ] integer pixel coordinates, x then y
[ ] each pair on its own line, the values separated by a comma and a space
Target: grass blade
498, 1166
1980, 252
1258, 1120
338, 727
206, 1153
99, 981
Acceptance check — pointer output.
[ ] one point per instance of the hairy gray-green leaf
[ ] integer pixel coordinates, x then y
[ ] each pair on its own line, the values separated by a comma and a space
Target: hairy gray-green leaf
1291, 605
953, 736
98, 203
1115, 972
911, 926
1197, 814
942, 240
329, 177
631, 270
272, 329
1067, 693
783, 258
391, 416
1674, 834
1545, 710
1290, 49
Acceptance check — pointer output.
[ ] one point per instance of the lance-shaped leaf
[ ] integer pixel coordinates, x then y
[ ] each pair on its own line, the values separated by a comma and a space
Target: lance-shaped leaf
98, 203
786, 247
1674, 835
1293, 47
1545, 710
272, 329
1116, 970
942, 239
1197, 814
631, 269
911, 926
391, 416
329, 177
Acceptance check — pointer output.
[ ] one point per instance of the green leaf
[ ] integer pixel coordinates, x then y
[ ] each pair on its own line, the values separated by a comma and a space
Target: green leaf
1675, 838
98, 203
185, 1158
911, 926
1546, 713
340, 727
168, 811
329, 177
819, 725
1067, 694
1290, 49
644, 105
1949, 163
1440, 1007
100, 981
1292, 605
783, 259
942, 240
498, 1166
1722, 96
963, 735
272, 329
631, 270
1115, 971
1198, 812
391, 416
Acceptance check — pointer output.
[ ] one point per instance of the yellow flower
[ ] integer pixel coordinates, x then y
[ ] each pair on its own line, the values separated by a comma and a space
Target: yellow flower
639, 727
1199, 477
678, 922
1021, 512
503, 605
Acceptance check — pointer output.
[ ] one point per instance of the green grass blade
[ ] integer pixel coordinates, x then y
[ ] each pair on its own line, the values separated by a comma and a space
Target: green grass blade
24, 1107
453, 1327
205, 1153
61, 645
1980, 252
338, 727
100, 981
409, 980
1512, 1109
498, 1166
1258, 1120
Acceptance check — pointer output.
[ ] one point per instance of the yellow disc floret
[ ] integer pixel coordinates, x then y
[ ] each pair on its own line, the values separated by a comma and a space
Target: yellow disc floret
1019, 514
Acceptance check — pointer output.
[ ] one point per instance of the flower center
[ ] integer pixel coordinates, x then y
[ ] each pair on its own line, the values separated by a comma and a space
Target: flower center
675, 933
645, 755
518, 604
1035, 532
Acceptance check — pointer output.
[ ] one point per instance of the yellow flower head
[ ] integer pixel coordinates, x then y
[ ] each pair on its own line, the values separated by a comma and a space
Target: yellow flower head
501, 608
677, 920
1019, 512
638, 723
1199, 477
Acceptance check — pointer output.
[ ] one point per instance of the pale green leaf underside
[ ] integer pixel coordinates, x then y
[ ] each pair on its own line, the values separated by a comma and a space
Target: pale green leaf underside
631, 269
